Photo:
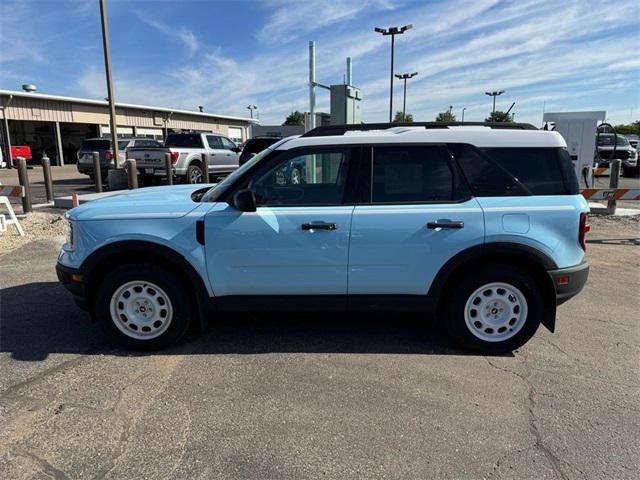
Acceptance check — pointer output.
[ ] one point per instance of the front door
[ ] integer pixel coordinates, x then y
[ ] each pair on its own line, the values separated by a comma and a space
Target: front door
297, 242
417, 215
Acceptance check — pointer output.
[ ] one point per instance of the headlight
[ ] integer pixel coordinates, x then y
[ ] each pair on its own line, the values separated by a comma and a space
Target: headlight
70, 245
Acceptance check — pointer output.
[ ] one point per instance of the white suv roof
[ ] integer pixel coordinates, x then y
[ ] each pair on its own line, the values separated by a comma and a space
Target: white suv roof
478, 135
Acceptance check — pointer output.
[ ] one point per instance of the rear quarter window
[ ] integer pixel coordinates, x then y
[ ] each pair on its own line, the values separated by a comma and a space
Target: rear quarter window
543, 171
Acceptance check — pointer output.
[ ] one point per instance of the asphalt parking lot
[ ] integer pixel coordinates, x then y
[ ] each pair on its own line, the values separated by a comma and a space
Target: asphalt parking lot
321, 397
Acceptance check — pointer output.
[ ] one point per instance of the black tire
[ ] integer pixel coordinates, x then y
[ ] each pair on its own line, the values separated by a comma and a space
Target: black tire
194, 171
167, 281
464, 287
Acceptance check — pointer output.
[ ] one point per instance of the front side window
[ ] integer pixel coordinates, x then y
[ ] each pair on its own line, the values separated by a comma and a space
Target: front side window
413, 174
214, 141
226, 143
315, 177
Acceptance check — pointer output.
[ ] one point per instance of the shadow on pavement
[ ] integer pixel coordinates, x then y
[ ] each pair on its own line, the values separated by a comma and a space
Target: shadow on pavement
38, 319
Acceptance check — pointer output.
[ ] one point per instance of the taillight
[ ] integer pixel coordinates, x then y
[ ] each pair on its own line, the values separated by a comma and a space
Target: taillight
174, 157
583, 230
109, 155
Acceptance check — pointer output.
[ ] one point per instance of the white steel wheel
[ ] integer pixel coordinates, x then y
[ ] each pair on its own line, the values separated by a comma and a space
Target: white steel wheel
495, 312
141, 310
296, 177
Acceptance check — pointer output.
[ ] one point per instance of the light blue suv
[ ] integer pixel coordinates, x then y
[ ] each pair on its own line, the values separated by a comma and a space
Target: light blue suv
480, 225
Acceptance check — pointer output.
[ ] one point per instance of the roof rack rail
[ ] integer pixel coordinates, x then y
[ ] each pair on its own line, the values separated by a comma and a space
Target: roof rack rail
328, 130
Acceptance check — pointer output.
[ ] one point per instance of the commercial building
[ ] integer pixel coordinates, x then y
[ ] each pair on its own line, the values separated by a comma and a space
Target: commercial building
57, 125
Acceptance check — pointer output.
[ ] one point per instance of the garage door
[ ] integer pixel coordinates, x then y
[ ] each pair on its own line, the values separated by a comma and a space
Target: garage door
235, 134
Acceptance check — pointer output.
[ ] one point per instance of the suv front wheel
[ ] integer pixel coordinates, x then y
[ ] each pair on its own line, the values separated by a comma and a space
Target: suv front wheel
142, 306
494, 311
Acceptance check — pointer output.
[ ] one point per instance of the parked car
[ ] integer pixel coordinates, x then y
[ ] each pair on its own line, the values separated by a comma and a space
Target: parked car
483, 226
186, 151
623, 150
105, 150
254, 146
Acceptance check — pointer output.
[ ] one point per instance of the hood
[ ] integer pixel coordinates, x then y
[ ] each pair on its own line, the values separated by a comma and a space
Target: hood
172, 201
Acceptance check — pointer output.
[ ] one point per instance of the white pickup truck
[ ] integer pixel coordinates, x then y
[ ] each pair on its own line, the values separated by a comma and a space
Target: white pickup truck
186, 150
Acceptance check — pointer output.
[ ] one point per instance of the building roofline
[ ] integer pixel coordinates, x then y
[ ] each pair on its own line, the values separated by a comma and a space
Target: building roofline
104, 103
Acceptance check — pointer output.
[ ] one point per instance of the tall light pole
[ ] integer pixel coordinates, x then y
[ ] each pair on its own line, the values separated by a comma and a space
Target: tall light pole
393, 31
107, 67
251, 108
463, 109
405, 77
494, 94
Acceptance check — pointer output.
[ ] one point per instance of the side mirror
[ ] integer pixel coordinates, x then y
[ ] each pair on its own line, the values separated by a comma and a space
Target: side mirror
244, 200
236, 149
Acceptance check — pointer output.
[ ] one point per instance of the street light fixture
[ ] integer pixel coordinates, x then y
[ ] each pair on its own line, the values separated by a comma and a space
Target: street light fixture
405, 77
393, 31
463, 109
494, 94
251, 108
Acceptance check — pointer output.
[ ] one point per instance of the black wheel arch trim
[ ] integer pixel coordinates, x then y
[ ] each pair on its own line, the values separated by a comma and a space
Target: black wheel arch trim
145, 248
505, 250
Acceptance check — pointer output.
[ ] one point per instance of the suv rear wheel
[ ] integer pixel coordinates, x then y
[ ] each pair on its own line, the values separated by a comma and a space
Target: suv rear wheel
142, 306
494, 311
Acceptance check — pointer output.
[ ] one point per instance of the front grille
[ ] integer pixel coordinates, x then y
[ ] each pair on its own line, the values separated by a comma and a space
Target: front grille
609, 154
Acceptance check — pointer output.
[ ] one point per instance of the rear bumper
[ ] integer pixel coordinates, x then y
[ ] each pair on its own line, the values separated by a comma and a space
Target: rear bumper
568, 282
73, 280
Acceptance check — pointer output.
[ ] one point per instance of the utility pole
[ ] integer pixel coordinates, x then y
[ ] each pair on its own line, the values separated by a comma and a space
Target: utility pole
312, 85
107, 67
393, 31
405, 77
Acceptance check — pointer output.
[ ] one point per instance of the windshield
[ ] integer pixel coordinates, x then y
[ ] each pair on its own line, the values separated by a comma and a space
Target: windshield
216, 190
607, 141
123, 145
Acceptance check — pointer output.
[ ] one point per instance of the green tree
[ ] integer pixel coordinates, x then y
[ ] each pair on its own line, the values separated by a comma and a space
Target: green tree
402, 118
446, 117
634, 128
499, 116
295, 118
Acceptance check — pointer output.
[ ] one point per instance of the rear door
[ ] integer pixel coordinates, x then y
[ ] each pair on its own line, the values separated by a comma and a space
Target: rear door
416, 214
297, 242
215, 152
232, 155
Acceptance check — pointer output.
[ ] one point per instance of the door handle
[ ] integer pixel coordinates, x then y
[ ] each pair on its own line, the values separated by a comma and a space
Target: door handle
445, 224
319, 226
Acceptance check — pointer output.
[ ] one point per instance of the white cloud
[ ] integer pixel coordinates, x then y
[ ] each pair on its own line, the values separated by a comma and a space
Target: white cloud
182, 34
293, 19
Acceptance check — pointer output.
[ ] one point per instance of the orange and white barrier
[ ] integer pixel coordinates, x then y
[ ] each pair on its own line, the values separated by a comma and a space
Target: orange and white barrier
601, 171
611, 193
7, 191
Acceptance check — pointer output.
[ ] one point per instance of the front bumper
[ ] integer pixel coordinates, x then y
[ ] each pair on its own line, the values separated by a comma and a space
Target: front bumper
568, 282
73, 280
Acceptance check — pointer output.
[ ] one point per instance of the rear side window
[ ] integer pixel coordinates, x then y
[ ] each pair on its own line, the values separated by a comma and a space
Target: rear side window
184, 140
541, 170
485, 177
412, 174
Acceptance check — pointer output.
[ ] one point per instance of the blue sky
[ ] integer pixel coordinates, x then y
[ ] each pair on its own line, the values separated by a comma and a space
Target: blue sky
225, 55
